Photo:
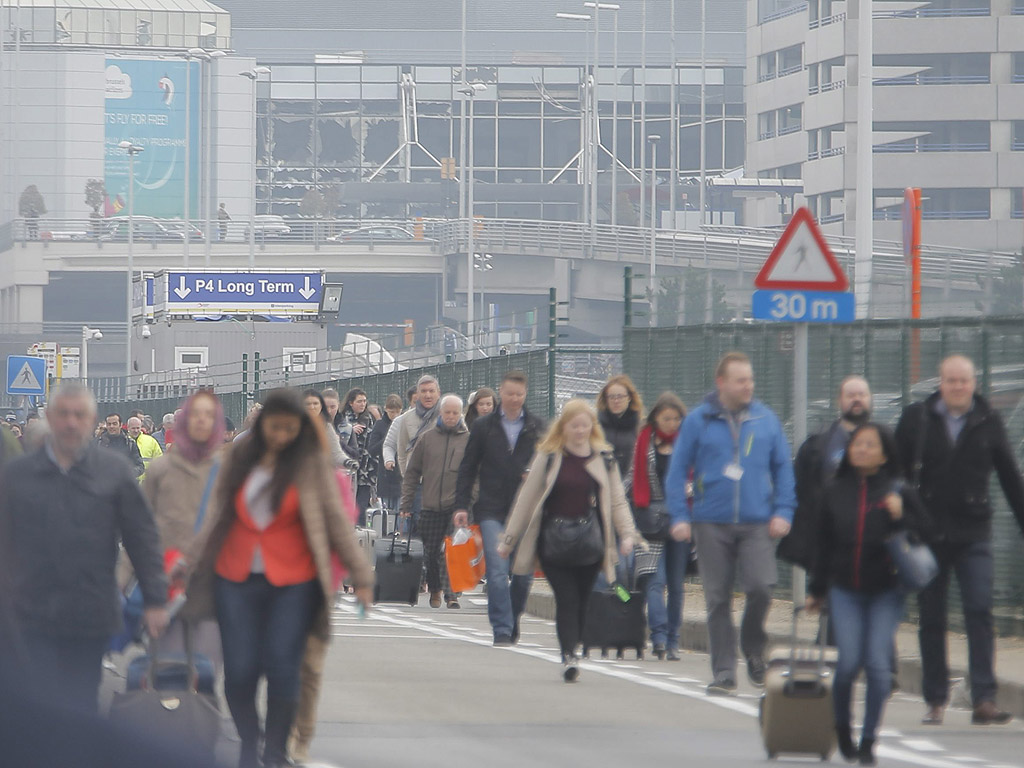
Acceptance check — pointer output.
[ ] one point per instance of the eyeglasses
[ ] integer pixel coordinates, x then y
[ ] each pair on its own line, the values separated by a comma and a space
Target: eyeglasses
618, 397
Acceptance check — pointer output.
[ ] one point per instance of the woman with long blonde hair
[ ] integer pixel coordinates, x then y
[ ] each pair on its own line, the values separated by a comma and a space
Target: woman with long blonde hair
565, 520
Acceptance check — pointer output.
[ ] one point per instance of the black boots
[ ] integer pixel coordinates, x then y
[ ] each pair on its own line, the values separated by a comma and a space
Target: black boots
845, 742
866, 753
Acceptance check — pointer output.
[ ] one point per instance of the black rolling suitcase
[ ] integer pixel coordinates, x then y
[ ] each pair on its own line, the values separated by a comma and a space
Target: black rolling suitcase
613, 622
399, 570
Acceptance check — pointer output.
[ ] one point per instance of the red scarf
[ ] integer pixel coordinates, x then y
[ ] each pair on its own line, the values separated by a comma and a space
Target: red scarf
641, 478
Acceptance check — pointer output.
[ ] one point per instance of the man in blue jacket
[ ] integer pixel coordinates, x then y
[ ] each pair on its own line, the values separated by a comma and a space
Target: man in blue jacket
743, 502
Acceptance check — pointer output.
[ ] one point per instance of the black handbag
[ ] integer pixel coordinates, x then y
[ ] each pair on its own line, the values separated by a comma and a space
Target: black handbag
653, 521
572, 541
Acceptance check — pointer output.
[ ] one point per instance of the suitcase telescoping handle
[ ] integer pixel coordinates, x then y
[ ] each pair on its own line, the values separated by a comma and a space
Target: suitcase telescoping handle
153, 648
822, 639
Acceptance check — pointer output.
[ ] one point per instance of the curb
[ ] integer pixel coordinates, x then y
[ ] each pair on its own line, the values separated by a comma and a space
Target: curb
693, 636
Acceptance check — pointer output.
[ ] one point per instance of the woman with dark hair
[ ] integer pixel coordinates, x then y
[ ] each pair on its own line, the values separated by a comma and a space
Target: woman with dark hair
619, 409
263, 565
666, 561
316, 405
177, 486
389, 481
480, 403
355, 412
865, 504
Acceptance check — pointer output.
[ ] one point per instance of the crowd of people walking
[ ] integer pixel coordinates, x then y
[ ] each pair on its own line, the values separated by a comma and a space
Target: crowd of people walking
248, 522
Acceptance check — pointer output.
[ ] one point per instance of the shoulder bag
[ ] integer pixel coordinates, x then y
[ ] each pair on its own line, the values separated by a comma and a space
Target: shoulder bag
653, 521
572, 541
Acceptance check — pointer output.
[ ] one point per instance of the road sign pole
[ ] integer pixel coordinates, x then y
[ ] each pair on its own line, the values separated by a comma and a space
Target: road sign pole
799, 429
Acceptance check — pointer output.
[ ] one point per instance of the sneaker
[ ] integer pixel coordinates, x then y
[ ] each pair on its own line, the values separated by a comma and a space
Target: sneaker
453, 604
672, 654
571, 671
725, 686
987, 713
756, 670
503, 641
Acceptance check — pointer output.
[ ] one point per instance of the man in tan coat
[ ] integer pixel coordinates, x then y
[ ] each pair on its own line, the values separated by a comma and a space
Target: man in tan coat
433, 469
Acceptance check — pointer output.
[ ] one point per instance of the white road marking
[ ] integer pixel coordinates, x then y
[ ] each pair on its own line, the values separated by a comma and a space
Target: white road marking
922, 745
384, 637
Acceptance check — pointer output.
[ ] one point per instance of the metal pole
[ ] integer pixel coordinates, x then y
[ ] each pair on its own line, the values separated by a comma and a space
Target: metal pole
673, 124
208, 166
469, 237
462, 122
864, 225
252, 183
595, 138
703, 109
615, 124
131, 268
84, 360
552, 340
627, 298
643, 103
654, 213
799, 427
188, 155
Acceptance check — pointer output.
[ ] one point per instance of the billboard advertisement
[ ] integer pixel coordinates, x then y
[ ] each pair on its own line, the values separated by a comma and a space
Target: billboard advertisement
145, 104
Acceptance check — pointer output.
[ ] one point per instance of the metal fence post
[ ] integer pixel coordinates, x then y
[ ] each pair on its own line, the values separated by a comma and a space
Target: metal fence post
245, 375
256, 376
552, 341
627, 320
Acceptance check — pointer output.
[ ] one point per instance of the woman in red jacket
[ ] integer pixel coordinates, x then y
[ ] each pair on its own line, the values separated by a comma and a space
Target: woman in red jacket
265, 566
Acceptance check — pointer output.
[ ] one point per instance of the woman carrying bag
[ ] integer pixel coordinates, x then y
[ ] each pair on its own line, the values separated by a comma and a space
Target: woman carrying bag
863, 508
667, 560
263, 566
565, 520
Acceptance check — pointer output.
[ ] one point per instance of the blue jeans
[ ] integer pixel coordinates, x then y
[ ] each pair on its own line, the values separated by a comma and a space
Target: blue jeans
865, 627
974, 570
664, 617
505, 601
263, 632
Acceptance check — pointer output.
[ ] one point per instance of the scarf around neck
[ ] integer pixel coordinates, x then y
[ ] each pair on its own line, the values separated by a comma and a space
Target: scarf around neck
641, 474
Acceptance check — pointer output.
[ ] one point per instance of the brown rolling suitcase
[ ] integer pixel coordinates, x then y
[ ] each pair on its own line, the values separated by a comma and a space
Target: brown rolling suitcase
796, 708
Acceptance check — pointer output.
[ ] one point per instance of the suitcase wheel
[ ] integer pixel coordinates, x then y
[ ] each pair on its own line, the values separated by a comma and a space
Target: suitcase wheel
621, 654
414, 596
376, 593
771, 755
824, 757
604, 653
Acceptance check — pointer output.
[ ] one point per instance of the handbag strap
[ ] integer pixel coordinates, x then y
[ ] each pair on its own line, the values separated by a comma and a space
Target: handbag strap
204, 502
922, 435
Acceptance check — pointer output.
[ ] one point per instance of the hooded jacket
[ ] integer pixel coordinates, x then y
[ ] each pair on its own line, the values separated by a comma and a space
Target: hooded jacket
706, 445
434, 465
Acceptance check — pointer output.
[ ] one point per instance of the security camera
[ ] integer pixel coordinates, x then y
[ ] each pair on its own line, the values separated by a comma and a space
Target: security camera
146, 333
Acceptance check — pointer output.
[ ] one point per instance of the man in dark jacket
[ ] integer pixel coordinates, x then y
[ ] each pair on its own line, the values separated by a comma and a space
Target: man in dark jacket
815, 466
62, 511
117, 440
950, 444
500, 449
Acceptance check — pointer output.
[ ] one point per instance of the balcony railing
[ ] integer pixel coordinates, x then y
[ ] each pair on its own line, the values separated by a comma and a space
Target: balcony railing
835, 85
896, 214
941, 13
782, 13
764, 135
826, 21
962, 146
823, 153
1018, 145
789, 129
920, 79
832, 218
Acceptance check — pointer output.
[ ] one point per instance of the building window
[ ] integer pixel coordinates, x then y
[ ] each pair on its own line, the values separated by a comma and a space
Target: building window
191, 357
963, 203
933, 69
769, 10
1018, 134
790, 119
766, 126
299, 359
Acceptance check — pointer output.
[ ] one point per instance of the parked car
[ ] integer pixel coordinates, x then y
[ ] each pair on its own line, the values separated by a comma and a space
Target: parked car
266, 226
148, 229
384, 233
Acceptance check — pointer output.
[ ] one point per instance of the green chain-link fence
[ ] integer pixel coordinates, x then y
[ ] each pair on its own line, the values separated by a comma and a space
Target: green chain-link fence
899, 358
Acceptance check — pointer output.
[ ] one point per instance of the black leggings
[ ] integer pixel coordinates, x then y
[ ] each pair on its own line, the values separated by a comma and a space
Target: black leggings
572, 586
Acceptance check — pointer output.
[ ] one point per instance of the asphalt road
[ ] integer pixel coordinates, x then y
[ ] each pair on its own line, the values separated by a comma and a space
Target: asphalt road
415, 686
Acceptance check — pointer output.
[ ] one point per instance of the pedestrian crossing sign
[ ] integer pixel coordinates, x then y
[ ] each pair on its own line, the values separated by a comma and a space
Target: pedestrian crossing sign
26, 375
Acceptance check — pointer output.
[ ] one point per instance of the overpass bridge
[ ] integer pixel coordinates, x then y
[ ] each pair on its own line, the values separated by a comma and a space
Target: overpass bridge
528, 257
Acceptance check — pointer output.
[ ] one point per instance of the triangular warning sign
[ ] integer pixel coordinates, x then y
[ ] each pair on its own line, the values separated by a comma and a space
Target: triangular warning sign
26, 379
802, 260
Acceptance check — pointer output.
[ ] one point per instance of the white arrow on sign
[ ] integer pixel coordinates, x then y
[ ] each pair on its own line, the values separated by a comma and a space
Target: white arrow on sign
182, 290
306, 292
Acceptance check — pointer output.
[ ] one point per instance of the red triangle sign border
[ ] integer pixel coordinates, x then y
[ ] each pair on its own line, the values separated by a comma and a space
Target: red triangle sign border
801, 217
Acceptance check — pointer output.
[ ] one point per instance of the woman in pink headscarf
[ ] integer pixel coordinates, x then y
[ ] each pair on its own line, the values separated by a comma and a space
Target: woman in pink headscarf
178, 486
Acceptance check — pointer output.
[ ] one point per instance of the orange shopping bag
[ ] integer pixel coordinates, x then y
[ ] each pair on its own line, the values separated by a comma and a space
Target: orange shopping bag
465, 561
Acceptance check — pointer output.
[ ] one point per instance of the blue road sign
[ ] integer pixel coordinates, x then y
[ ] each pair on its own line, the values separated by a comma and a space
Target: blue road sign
26, 375
803, 306
278, 293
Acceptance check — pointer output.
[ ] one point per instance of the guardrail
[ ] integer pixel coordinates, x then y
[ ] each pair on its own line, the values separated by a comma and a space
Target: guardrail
826, 21
896, 215
835, 85
920, 79
782, 13
830, 152
915, 147
943, 13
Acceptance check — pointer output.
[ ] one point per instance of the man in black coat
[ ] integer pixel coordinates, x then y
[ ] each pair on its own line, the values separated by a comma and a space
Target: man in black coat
499, 452
63, 509
950, 443
118, 440
815, 466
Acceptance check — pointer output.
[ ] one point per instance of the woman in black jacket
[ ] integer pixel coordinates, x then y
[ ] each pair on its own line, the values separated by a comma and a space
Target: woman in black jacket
865, 504
619, 409
389, 481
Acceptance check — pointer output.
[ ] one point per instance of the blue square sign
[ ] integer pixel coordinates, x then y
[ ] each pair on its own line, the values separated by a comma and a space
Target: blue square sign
26, 375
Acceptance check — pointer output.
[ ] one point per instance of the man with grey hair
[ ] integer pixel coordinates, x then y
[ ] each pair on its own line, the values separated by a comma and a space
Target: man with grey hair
166, 426
433, 472
63, 509
410, 425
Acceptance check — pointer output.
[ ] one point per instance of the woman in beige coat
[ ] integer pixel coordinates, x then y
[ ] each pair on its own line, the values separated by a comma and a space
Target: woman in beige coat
175, 485
574, 480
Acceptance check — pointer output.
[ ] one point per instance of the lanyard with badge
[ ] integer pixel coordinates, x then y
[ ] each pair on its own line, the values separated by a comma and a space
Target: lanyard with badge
733, 470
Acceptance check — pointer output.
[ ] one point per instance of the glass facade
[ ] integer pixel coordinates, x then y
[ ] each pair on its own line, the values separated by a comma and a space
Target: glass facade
327, 131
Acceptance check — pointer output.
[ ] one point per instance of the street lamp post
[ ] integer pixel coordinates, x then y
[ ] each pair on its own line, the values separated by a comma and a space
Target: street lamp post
482, 262
253, 75
653, 141
208, 204
88, 334
585, 120
598, 7
132, 151
470, 90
